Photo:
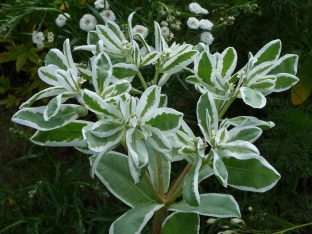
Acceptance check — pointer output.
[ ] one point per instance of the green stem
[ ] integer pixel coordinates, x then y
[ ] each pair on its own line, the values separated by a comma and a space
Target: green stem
157, 197
160, 178
292, 228
175, 186
226, 106
156, 77
142, 80
158, 220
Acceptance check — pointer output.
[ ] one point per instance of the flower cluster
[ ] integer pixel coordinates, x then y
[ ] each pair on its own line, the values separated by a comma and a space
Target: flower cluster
193, 23
39, 37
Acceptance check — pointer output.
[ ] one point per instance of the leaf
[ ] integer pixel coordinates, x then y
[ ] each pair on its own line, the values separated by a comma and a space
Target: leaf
242, 121
33, 56
109, 38
115, 29
247, 133
269, 53
21, 60
286, 64
251, 173
57, 58
150, 58
68, 56
227, 62
67, 80
124, 71
204, 68
237, 149
211, 204
116, 89
152, 168
101, 72
113, 171
134, 220
92, 38
43, 94
190, 188
33, 117
106, 127
167, 120
284, 81
158, 140
52, 107
148, 102
252, 97
157, 32
179, 61
68, 135
48, 75
181, 223
219, 169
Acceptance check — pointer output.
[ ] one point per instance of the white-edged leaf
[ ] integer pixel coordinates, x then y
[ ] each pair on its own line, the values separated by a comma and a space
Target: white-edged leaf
179, 61
252, 97
181, 223
237, 149
116, 89
68, 135
92, 38
148, 102
109, 38
116, 29
68, 55
246, 133
251, 173
113, 171
130, 17
57, 58
157, 31
67, 80
33, 117
265, 84
284, 81
242, 121
158, 140
150, 58
124, 71
286, 64
134, 220
97, 105
227, 62
52, 107
258, 72
190, 188
101, 72
167, 120
85, 73
106, 127
49, 92
219, 169
153, 171
204, 66
48, 75
269, 53
211, 204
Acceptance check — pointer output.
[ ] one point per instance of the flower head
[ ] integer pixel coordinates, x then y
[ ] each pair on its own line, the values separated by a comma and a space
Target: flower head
197, 9
165, 31
99, 4
141, 30
87, 22
50, 37
193, 23
108, 15
38, 38
61, 19
205, 24
206, 37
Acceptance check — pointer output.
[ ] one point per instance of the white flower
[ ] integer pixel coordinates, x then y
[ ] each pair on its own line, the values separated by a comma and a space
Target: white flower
61, 19
205, 24
87, 22
206, 37
165, 31
99, 4
141, 30
38, 38
50, 37
143, 51
40, 46
193, 23
108, 15
197, 9
164, 23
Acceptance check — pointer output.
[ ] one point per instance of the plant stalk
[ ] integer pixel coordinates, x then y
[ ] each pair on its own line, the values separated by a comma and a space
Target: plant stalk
157, 197
158, 220
160, 177
142, 80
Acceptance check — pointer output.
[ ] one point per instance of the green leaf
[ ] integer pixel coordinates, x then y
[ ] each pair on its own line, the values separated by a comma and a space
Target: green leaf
237, 149
178, 62
158, 140
33, 117
43, 94
68, 56
67, 79
115, 29
134, 220
48, 75
265, 84
251, 173
33, 56
269, 53
181, 223
68, 135
190, 188
258, 72
109, 38
101, 72
150, 58
158, 46
219, 169
57, 58
284, 81
166, 120
116, 89
252, 97
114, 173
152, 168
21, 60
148, 102
204, 67
242, 121
106, 127
92, 38
227, 62
52, 107
211, 204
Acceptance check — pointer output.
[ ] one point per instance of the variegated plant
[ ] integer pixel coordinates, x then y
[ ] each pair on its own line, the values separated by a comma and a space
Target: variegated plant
154, 135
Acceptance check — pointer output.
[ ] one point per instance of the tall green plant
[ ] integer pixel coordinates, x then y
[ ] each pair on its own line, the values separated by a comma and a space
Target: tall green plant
155, 135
